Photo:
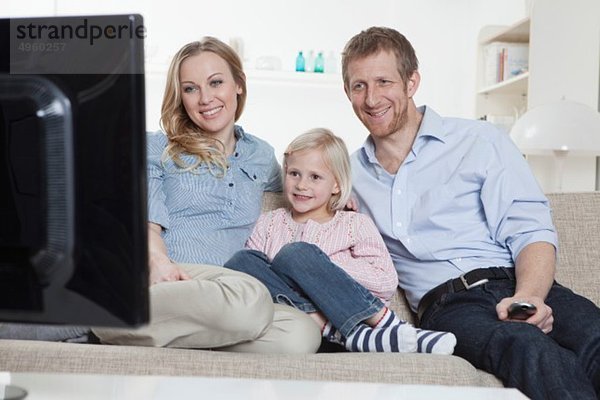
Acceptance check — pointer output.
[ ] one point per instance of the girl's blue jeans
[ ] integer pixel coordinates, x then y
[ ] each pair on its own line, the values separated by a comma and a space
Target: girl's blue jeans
303, 276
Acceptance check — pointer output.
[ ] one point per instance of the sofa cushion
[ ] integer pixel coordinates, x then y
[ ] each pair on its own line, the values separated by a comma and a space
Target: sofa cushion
272, 201
577, 220
36, 356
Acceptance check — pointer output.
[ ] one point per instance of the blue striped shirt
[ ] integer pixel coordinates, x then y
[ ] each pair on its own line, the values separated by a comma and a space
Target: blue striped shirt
206, 218
464, 198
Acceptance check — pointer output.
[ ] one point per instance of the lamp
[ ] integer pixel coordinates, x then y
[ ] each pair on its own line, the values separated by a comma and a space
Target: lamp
559, 128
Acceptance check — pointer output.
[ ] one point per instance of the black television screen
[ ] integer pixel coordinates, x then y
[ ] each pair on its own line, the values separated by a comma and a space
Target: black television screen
73, 236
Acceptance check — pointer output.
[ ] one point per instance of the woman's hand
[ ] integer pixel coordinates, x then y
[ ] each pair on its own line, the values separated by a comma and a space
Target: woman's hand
162, 269
167, 272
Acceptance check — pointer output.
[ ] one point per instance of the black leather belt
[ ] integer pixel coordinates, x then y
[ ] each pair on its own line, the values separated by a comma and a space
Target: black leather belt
464, 282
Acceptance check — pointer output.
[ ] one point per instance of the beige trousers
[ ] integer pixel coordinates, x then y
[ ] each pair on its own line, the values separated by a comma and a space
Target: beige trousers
219, 309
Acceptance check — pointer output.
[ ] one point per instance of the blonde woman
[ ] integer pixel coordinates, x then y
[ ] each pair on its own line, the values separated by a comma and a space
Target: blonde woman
206, 178
330, 263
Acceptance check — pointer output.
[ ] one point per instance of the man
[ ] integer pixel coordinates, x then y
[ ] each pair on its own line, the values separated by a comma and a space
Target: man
468, 228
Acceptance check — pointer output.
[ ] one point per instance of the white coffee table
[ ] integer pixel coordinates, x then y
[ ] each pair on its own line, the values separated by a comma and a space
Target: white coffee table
91, 387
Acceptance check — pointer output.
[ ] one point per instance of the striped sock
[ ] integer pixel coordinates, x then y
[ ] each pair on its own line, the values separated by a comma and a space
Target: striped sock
389, 318
401, 338
435, 342
427, 341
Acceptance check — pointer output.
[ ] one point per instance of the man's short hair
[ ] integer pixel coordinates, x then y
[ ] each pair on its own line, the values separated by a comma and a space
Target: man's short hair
375, 39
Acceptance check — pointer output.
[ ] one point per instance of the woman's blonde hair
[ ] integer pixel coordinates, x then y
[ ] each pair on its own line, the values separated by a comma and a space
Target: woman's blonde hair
335, 156
183, 134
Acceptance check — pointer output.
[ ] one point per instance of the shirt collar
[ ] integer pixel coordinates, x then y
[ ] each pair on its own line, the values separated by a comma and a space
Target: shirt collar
239, 133
244, 142
368, 149
432, 125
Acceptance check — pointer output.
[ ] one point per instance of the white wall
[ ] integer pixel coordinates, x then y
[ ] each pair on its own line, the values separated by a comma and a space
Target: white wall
444, 34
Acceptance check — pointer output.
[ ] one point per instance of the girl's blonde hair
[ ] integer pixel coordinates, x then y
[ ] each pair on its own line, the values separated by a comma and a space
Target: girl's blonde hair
335, 156
183, 134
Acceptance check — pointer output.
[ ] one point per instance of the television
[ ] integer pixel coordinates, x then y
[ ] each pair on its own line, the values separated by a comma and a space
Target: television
73, 222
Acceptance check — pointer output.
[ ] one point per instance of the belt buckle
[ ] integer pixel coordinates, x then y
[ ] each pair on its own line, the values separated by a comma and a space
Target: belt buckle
475, 284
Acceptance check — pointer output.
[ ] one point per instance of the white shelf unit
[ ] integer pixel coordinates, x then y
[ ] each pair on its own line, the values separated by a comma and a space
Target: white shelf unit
564, 64
506, 99
516, 84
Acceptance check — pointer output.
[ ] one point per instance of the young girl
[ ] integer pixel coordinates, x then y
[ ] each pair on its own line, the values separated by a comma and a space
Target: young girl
330, 263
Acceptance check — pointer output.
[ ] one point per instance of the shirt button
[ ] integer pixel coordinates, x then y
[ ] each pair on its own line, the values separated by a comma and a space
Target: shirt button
399, 191
407, 240
398, 224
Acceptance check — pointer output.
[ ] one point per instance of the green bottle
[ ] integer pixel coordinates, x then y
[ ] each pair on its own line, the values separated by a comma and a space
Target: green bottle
300, 63
320, 63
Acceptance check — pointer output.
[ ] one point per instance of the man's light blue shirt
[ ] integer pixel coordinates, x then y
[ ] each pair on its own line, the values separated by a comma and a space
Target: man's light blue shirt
208, 218
464, 198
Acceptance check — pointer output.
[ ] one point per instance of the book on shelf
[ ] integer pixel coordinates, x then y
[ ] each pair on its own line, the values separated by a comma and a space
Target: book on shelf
502, 61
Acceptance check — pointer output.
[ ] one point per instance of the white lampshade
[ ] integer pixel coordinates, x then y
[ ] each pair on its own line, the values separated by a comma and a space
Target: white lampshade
562, 126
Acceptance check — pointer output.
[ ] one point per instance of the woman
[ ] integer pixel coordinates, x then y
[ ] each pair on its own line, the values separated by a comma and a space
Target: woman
206, 177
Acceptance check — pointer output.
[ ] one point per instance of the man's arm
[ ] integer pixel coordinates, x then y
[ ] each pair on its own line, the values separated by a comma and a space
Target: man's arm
535, 268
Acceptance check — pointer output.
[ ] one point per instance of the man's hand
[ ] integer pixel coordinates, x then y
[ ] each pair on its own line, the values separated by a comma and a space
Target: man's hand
352, 204
167, 272
543, 318
534, 269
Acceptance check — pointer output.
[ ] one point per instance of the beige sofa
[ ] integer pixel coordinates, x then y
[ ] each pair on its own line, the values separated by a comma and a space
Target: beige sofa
577, 217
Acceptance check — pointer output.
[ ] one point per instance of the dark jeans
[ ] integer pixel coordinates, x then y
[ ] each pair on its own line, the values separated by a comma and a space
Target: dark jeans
302, 276
564, 364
